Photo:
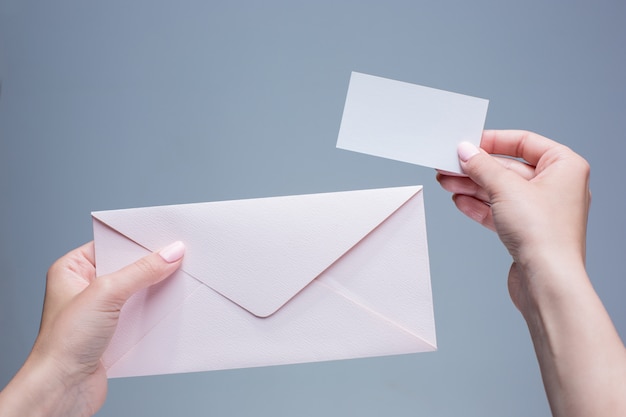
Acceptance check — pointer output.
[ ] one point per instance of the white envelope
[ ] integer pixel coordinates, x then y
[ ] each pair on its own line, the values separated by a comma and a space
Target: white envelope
273, 281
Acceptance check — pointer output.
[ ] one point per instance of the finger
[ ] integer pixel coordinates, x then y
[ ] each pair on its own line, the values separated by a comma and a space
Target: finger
118, 287
66, 278
485, 170
448, 173
517, 143
522, 169
81, 262
465, 185
72, 272
475, 209
88, 252
462, 185
76, 264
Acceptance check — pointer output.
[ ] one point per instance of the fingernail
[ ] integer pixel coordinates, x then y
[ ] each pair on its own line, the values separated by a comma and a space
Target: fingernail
466, 150
173, 252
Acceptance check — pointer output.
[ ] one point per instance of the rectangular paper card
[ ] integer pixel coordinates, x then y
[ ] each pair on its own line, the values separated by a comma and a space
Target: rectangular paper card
409, 122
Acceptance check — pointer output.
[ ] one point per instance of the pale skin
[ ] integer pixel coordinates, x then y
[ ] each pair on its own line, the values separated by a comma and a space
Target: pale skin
538, 204
63, 375
538, 207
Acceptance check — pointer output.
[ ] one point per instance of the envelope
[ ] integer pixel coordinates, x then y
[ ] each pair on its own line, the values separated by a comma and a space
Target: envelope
409, 122
272, 281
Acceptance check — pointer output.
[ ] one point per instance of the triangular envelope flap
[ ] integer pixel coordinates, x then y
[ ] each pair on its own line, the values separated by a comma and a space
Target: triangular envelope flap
260, 252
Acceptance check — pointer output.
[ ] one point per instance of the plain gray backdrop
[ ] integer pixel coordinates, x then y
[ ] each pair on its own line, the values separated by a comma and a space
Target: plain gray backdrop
120, 104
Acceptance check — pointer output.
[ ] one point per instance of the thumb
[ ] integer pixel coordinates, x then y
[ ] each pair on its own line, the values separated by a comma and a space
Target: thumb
118, 287
484, 169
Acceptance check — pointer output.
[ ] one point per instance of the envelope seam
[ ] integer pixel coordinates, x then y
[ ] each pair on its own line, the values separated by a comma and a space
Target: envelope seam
341, 291
415, 190
176, 308
356, 243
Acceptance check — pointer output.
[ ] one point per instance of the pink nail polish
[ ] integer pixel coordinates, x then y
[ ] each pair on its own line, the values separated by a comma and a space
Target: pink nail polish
466, 150
173, 252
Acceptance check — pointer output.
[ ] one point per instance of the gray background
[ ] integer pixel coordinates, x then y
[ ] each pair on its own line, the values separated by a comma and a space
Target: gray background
122, 104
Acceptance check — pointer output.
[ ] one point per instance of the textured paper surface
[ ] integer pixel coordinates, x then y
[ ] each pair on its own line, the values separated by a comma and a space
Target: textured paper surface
273, 281
408, 122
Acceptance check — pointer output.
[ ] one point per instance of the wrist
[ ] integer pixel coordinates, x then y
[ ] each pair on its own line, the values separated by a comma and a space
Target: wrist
39, 389
579, 351
551, 279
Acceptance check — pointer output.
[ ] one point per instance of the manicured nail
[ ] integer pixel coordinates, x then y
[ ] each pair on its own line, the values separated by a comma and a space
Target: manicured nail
466, 150
173, 252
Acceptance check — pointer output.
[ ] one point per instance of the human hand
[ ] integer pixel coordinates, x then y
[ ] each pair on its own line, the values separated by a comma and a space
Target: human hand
538, 206
63, 375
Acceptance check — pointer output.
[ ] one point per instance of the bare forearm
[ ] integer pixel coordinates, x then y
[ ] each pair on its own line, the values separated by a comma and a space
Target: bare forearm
37, 390
581, 356
22, 396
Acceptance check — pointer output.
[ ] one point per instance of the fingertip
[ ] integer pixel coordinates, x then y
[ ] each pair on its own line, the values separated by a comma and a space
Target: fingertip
467, 150
173, 252
445, 173
475, 209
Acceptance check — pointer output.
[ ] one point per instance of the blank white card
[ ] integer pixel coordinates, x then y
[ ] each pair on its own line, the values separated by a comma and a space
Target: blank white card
408, 122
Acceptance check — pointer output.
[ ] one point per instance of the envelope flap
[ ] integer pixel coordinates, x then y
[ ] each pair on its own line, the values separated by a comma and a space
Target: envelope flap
260, 252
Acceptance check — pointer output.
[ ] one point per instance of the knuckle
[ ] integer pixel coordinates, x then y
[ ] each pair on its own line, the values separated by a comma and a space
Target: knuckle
582, 167
109, 290
56, 269
577, 157
576, 163
585, 167
105, 285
